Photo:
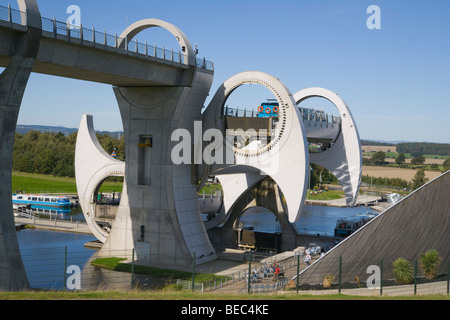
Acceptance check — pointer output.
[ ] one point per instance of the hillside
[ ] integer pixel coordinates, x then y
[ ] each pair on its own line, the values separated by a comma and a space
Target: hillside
23, 129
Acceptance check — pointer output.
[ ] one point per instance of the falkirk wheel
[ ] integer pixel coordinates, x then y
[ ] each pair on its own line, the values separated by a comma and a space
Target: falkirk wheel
285, 159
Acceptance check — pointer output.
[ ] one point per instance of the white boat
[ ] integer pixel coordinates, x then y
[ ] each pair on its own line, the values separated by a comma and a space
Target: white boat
348, 225
41, 200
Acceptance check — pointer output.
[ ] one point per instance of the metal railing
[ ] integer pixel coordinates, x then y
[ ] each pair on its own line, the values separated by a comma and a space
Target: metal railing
85, 36
55, 268
379, 277
306, 114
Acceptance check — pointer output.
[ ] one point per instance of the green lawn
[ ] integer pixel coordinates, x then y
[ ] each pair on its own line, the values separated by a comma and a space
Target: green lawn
115, 263
39, 183
326, 195
189, 295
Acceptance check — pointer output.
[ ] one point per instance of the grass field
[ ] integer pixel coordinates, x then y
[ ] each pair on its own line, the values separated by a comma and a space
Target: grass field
391, 154
326, 195
189, 295
38, 183
392, 172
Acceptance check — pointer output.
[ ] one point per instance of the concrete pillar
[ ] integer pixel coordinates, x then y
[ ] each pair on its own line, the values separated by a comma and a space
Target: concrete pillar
158, 213
13, 81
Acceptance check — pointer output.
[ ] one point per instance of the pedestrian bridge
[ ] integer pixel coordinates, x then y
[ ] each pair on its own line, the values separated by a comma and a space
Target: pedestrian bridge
87, 54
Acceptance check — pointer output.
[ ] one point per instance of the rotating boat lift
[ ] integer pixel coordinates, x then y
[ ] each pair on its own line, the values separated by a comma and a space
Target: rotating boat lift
285, 158
159, 215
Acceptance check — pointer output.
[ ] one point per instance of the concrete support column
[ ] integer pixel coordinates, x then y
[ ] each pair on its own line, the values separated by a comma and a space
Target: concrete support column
13, 82
158, 213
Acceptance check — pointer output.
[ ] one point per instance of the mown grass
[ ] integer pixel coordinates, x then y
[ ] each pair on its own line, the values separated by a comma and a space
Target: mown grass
138, 294
325, 195
116, 264
39, 183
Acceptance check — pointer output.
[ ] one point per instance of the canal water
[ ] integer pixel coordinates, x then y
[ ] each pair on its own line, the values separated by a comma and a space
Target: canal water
47, 254
313, 221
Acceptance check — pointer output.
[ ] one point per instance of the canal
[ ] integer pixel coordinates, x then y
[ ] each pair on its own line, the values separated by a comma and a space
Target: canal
313, 221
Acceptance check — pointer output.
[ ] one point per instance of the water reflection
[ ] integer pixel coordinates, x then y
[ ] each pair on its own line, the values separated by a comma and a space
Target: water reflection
43, 212
314, 219
48, 254
44, 255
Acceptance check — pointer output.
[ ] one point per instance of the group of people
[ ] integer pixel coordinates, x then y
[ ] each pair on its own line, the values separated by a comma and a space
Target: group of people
266, 271
307, 253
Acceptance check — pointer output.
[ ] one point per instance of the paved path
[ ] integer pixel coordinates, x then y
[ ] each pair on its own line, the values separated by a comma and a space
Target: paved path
55, 225
361, 200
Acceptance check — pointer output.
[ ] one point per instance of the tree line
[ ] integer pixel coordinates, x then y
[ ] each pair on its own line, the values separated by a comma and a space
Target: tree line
53, 153
418, 149
398, 183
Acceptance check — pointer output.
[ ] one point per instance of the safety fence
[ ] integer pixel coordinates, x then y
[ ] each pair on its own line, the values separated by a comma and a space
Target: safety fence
66, 268
100, 39
63, 268
377, 277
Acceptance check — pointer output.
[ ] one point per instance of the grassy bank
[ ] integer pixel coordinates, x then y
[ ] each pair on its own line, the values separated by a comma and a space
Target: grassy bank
189, 295
116, 264
325, 195
39, 183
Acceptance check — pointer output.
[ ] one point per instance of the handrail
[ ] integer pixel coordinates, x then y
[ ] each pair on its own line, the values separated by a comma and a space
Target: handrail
98, 39
305, 113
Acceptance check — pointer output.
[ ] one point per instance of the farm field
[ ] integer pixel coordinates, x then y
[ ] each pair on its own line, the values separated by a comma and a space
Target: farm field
390, 172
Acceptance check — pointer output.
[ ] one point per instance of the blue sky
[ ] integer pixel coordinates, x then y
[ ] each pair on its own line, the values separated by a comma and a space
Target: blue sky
395, 80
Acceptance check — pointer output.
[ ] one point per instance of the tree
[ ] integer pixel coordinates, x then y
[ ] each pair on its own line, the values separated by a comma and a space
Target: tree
446, 164
379, 157
400, 159
419, 179
54, 153
418, 160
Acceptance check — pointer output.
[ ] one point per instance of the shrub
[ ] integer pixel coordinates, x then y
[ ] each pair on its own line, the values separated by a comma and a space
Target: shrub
328, 281
403, 271
429, 262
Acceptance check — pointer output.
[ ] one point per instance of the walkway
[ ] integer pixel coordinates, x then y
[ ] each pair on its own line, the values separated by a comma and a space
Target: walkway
239, 270
54, 225
362, 200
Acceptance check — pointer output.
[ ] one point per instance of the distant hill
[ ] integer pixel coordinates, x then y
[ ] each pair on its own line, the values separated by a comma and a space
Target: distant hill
381, 143
22, 129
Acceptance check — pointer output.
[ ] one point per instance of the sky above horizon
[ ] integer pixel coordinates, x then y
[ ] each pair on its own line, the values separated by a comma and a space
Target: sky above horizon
395, 79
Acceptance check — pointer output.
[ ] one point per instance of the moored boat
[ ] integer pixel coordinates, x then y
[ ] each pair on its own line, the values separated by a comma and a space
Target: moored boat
41, 200
348, 225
